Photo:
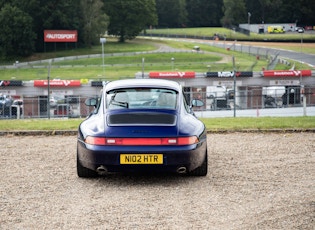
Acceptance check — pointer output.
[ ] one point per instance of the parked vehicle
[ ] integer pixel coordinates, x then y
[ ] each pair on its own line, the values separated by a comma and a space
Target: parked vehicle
275, 29
142, 125
270, 102
273, 96
216, 91
54, 100
5, 104
17, 108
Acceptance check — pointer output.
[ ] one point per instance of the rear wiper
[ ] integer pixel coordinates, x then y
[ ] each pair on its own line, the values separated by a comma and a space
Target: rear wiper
119, 103
113, 101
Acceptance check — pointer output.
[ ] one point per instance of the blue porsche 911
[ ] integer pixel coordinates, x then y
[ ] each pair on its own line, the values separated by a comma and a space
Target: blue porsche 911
142, 125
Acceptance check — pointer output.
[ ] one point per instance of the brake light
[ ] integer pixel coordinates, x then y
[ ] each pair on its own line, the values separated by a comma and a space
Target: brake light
95, 140
142, 141
188, 140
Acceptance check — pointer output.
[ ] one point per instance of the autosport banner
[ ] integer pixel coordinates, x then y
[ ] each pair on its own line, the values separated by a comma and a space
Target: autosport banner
57, 83
60, 35
4, 83
287, 73
172, 74
229, 74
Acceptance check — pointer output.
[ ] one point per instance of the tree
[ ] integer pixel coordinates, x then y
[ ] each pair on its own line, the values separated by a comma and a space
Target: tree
56, 15
270, 10
280, 11
95, 22
129, 18
204, 12
171, 13
307, 12
234, 12
17, 35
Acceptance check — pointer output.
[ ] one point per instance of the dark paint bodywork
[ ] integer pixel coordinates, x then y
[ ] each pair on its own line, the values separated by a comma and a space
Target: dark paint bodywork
179, 122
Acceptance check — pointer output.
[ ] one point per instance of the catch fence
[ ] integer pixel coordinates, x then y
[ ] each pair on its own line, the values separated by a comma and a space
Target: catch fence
215, 98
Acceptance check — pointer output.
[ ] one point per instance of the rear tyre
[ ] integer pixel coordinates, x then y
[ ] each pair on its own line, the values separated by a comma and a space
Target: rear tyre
202, 170
84, 172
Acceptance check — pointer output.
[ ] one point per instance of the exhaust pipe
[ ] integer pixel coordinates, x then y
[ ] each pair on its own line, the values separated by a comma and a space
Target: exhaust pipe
102, 170
181, 170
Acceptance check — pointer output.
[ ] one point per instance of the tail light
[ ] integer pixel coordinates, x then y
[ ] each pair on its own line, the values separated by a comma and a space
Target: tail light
142, 141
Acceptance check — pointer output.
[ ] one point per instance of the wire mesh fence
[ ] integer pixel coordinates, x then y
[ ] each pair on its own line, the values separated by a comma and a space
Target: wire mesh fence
215, 98
221, 98
42, 107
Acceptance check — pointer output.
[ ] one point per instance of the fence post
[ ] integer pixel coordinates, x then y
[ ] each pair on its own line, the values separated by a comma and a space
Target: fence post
234, 82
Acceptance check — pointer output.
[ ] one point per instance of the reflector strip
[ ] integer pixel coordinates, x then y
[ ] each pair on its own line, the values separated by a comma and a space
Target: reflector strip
142, 141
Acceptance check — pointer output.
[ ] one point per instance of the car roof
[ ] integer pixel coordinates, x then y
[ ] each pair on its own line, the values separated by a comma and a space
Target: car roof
130, 83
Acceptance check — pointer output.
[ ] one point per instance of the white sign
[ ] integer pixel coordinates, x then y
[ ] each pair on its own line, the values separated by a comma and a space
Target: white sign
227, 83
102, 40
225, 74
284, 82
59, 92
8, 92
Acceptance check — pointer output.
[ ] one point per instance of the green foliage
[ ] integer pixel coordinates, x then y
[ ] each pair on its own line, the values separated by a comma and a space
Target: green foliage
208, 32
95, 22
22, 22
205, 13
212, 124
279, 11
234, 12
17, 36
40, 124
171, 13
128, 64
202, 13
128, 18
258, 123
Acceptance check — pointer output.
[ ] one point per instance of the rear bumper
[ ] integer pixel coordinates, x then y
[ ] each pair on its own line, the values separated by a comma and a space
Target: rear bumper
190, 157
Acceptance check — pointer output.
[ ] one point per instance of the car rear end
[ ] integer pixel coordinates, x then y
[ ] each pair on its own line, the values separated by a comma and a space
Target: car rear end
156, 145
141, 127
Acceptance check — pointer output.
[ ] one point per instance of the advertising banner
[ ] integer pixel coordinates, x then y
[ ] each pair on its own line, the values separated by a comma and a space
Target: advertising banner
172, 74
229, 74
96, 83
60, 35
4, 83
57, 83
287, 73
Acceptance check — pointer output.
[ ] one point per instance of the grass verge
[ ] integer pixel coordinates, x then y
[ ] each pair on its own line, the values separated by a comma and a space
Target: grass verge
259, 123
212, 124
232, 35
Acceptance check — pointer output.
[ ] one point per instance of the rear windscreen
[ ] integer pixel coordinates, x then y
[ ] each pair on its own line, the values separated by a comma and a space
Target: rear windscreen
141, 98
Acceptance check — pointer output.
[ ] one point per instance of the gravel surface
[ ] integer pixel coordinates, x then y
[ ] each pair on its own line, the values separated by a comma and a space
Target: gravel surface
255, 181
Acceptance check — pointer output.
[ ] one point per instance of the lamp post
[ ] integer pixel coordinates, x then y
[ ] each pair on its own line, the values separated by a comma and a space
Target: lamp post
143, 67
234, 86
172, 59
302, 40
48, 90
17, 67
103, 41
249, 15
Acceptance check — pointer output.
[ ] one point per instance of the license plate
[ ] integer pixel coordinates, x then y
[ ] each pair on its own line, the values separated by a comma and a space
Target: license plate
141, 158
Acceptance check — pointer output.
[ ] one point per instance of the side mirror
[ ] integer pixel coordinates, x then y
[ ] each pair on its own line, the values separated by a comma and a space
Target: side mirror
197, 103
91, 102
